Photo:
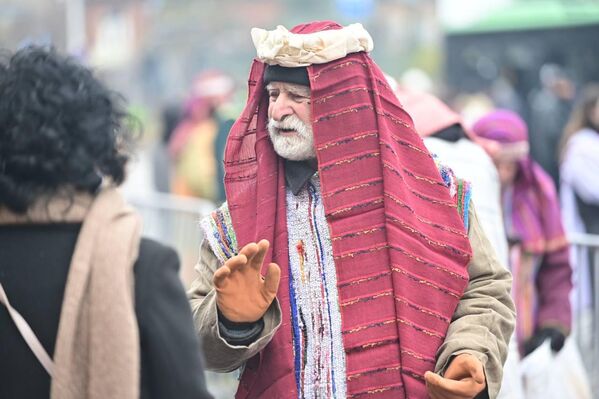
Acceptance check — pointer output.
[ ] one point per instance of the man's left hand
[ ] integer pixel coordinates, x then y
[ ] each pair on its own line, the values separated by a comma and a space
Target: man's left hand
464, 379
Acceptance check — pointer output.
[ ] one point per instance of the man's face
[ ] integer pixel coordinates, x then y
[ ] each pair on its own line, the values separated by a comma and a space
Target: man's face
289, 124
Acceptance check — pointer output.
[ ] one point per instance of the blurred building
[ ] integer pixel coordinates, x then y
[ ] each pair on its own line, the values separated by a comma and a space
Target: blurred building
152, 49
515, 40
529, 56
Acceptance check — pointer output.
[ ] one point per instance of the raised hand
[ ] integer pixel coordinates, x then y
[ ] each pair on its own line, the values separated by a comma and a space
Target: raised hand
242, 294
464, 379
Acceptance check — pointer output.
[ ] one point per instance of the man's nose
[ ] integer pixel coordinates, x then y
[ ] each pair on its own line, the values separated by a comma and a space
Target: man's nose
281, 108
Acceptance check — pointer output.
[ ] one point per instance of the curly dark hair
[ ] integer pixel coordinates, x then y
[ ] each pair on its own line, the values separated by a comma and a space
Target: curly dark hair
60, 128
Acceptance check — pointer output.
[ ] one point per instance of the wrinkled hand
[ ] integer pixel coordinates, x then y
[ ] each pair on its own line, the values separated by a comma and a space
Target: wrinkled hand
464, 379
242, 294
556, 337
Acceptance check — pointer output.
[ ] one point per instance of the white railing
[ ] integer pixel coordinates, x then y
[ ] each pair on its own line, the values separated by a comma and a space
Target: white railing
585, 256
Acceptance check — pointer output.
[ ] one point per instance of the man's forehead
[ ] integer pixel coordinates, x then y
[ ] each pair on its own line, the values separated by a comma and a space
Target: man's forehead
286, 86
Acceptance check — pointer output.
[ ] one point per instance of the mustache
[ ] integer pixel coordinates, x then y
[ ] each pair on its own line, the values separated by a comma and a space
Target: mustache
291, 122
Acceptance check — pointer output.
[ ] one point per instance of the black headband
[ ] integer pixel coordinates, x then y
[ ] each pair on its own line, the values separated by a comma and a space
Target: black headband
277, 73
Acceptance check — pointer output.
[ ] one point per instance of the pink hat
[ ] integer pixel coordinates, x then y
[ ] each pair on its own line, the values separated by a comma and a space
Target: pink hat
430, 115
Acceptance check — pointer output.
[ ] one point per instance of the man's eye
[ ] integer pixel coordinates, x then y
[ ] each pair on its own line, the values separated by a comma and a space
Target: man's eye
298, 98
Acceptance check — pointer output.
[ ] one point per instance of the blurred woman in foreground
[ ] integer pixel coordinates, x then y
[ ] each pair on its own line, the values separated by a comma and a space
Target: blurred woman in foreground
88, 309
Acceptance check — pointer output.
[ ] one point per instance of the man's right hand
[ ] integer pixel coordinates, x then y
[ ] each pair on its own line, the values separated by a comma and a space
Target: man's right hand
242, 294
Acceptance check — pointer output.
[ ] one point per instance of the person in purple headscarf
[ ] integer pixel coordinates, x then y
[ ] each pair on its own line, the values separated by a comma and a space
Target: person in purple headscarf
539, 257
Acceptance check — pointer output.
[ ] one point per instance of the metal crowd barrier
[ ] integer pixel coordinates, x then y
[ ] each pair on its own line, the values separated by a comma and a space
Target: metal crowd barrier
585, 257
174, 221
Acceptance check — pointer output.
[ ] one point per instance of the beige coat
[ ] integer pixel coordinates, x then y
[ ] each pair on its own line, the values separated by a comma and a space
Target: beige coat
482, 324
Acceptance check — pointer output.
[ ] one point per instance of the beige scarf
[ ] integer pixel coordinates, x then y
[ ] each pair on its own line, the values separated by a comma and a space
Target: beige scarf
96, 354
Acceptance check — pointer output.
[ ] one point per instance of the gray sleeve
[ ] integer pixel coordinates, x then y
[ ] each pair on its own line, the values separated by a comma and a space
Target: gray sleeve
218, 353
484, 318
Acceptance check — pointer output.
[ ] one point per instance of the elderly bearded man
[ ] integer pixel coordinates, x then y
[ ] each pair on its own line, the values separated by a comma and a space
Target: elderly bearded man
376, 270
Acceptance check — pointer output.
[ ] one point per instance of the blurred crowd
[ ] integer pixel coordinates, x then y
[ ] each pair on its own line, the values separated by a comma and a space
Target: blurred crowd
534, 185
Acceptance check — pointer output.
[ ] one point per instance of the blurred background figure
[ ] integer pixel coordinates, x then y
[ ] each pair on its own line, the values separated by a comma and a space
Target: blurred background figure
579, 172
550, 110
445, 136
171, 116
416, 79
504, 91
472, 107
193, 144
107, 308
539, 250
580, 165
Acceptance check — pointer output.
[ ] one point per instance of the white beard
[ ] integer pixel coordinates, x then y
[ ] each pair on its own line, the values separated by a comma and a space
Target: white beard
298, 147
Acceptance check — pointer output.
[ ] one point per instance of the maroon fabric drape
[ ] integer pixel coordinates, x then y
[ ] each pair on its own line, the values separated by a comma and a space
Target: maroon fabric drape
399, 244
